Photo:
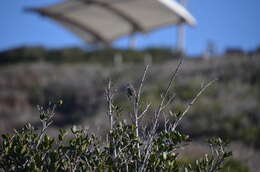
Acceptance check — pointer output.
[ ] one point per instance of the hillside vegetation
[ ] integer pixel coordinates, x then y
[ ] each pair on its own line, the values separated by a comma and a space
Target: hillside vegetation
230, 108
79, 55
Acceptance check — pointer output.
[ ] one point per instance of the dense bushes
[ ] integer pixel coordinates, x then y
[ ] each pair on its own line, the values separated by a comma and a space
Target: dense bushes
128, 146
27, 150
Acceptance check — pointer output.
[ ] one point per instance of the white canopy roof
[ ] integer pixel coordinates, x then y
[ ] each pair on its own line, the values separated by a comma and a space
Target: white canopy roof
107, 20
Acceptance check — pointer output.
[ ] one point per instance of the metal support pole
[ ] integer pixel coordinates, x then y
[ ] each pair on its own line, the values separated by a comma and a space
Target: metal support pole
181, 32
181, 38
132, 42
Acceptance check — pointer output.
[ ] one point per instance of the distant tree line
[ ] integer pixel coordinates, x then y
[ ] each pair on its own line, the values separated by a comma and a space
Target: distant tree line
240, 51
75, 55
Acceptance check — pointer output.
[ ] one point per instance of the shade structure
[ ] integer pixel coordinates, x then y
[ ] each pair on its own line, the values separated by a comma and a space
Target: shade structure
107, 20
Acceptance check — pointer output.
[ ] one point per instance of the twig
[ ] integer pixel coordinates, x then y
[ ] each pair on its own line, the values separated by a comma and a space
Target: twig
109, 98
157, 114
161, 106
46, 122
136, 107
141, 84
144, 112
191, 103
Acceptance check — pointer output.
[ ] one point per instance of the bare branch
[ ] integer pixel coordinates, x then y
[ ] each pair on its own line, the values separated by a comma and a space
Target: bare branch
169, 101
141, 84
144, 112
157, 114
136, 106
191, 103
172, 79
109, 98
160, 108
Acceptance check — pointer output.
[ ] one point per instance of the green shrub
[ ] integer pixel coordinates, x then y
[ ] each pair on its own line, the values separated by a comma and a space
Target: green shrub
126, 147
231, 165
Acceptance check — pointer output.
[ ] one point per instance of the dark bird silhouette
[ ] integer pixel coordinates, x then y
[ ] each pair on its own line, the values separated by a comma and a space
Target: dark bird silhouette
130, 91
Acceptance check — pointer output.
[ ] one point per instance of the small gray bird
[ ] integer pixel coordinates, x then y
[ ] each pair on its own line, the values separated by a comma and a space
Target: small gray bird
130, 91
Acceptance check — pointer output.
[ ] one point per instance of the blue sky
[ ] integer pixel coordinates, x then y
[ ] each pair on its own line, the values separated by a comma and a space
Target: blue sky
227, 23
